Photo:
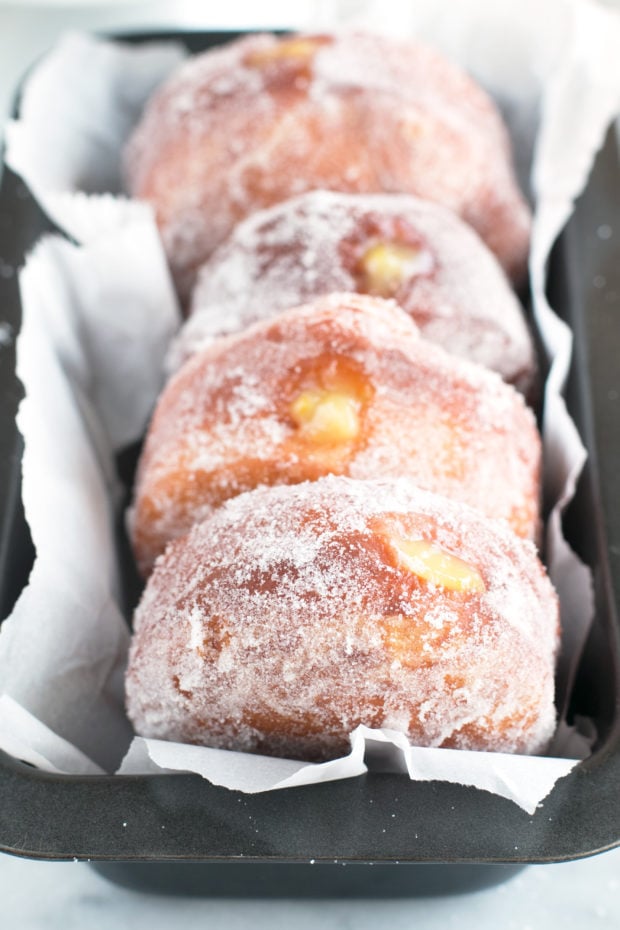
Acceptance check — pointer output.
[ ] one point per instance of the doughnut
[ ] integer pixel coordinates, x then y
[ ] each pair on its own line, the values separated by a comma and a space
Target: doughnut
341, 386
389, 245
261, 119
294, 613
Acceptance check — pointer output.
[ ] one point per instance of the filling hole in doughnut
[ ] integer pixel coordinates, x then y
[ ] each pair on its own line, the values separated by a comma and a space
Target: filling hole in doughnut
437, 566
326, 416
327, 405
299, 50
384, 266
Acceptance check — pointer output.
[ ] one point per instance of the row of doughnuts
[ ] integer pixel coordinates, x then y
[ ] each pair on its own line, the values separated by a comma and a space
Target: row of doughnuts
336, 502
259, 120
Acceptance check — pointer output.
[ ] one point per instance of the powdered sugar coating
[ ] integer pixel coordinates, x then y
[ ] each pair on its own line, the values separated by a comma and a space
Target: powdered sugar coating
223, 423
311, 245
224, 137
285, 620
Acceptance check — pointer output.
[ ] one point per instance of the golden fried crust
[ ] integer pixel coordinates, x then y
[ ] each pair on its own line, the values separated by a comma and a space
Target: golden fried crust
343, 386
295, 613
247, 125
386, 245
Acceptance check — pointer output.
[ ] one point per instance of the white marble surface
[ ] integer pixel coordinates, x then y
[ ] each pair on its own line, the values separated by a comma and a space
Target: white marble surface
583, 895
44, 896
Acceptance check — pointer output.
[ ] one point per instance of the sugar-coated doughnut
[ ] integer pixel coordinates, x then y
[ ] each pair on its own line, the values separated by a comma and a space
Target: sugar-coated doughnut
295, 613
388, 245
342, 386
246, 125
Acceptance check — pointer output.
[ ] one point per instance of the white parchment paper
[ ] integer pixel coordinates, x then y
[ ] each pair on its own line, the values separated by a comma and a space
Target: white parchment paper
99, 315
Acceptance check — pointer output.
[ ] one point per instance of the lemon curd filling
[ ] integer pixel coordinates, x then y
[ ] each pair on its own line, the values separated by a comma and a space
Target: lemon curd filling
301, 49
385, 265
327, 404
438, 567
325, 416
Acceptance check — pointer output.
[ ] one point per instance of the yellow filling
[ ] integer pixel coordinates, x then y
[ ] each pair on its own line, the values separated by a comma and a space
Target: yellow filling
289, 50
385, 265
326, 416
437, 566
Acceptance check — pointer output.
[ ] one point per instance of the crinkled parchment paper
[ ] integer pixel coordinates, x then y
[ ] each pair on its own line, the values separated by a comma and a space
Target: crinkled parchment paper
98, 317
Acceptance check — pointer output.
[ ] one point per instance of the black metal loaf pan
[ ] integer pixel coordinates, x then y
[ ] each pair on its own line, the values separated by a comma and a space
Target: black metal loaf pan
181, 834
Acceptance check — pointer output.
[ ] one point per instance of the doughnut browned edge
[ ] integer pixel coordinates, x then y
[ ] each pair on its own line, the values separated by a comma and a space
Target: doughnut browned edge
387, 245
295, 613
341, 386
